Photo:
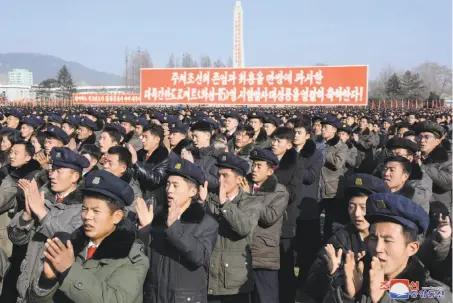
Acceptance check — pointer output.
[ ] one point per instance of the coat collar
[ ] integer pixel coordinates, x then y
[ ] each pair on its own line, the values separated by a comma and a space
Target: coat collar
75, 197
406, 191
22, 172
416, 173
366, 132
309, 149
129, 136
117, 245
246, 150
289, 159
334, 141
193, 214
262, 136
438, 155
127, 176
268, 186
158, 155
90, 140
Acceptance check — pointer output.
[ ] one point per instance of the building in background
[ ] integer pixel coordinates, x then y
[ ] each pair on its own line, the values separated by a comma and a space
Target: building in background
238, 43
20, 77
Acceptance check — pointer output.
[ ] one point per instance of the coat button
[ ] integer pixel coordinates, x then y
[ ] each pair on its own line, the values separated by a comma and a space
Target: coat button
210, 291
188, 299
226, 264
79, 285
224, 210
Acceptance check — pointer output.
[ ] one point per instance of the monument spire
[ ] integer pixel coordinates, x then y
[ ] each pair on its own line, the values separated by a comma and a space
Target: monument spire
238, 39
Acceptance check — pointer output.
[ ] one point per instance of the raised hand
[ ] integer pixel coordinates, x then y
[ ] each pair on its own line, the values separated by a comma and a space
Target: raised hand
376, 278
133, 153
25, 185
245, 185
145, 213
222, 194
42, 159
203, 191
60, 256
333, 259
48, 270
35, 200
444, 227
173, 213
353, 275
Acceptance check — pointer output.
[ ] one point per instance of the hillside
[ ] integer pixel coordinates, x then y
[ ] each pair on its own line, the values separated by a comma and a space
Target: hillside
46, 66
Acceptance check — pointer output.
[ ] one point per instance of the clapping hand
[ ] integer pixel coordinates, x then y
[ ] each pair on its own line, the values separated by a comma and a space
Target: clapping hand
145, 213
42, 159
333, 259
34, 200
444, 227
245, 185
376, 278
133, 153
58, 257
174, 212
353, 274
203, 191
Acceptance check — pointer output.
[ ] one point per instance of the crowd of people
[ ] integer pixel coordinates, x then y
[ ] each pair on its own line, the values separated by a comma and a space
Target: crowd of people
165, 204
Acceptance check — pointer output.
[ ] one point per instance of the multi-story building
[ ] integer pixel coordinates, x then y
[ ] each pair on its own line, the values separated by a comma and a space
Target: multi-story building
20, 77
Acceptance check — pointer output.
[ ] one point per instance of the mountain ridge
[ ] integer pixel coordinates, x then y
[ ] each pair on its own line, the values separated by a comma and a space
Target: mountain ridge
46, 66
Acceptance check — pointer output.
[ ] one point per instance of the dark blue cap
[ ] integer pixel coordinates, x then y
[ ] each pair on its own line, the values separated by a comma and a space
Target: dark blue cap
168, 119
344, 128
398, 142
63, 157
115, 128
388, 120
395, 208
330, 120
179, 128
257, 115
128, 117
32, 122
157, 116
186, 169
93, 112
142, 121
109, 185
211, 121
55, 118
366, 183
72, 121
234, 115
202, 126
15, 113
230, 160
261, 154
273, 120
57, 133
87, 122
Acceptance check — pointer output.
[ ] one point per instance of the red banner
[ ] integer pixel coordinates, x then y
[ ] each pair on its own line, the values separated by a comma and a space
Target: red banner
319, 85
106, 99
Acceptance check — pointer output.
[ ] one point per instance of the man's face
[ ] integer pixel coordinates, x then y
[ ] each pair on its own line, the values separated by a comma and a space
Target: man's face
114, 166
139, 130
394, 175
242, 139
363, 123
50, 143
256, 124
229, 180
231, 124
317, 128
179, 190
98, 220
301, 136
328, 131
26, 131
175, 138
280, 146
428, 142
18, 156
201, 139
62, 179
269, 128
350, 121
83, 133
411, 119
344, 136
402, 130
68, 129
386, 125
12, 122
388, 244
357, 212
127, 126
105, 142
150, 141
261, 171
403, 153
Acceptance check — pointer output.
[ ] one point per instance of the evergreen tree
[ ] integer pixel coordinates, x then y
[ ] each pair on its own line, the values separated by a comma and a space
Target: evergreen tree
411, 85
205, 61
218, 63
65, 83
171, 61
393, 87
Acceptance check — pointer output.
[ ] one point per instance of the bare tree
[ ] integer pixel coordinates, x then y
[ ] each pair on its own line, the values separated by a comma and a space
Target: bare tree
134, 62
218, 63
171, 61
437, 78
377, 87
205, 61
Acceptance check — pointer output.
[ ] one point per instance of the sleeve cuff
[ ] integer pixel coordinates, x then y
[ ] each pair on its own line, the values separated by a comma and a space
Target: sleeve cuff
46, 284
175, 231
